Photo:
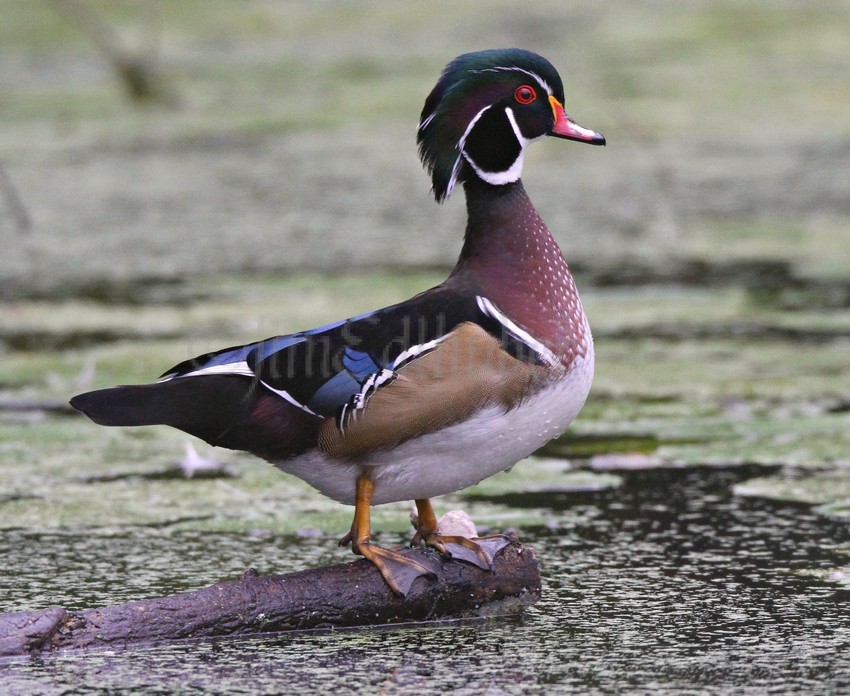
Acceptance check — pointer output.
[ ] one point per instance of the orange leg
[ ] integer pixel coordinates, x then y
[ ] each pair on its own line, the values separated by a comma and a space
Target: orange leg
479, 551
398, 571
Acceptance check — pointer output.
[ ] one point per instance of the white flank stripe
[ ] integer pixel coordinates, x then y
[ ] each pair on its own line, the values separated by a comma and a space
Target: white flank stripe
413, 351
520, 334
372, 385
360, 397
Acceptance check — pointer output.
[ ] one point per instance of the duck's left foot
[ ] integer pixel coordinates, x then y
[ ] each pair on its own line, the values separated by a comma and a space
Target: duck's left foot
479, 551
398, 571
463, 546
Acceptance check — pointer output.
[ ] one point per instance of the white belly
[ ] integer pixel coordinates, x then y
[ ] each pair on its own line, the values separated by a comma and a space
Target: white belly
458, 456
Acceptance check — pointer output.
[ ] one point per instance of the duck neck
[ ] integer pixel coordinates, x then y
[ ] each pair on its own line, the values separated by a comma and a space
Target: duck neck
511, 258
501, 219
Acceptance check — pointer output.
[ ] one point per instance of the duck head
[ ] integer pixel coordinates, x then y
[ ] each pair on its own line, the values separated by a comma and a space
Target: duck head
485, 109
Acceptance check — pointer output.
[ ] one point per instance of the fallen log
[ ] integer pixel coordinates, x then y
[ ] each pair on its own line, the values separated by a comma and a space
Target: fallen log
345, 595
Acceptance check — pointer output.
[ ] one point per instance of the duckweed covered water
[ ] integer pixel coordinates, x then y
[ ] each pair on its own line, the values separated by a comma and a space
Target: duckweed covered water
667, 583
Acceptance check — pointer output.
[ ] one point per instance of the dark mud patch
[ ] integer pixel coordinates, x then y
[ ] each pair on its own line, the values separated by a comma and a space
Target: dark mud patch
54, 407
743, 331
690, 273
643, 483
130, 292
36, 340
168, 473
769, 283
573, 446
17, 497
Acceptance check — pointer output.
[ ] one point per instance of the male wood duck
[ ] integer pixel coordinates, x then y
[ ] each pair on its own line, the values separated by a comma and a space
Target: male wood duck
434, 394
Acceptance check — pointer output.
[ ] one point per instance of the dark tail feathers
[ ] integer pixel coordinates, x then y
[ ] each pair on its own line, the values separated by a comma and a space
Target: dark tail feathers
224, 410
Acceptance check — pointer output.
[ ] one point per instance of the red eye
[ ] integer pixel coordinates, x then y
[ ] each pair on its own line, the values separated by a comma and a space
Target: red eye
525, 94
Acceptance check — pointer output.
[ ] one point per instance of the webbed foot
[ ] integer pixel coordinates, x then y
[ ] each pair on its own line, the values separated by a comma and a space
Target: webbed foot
398, 571
479, 551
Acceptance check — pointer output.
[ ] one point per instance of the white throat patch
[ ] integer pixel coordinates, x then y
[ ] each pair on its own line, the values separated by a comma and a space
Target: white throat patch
512, 173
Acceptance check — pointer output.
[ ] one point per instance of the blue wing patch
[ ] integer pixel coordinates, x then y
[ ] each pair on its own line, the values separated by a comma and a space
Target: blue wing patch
359, 364
340, 388
337, 390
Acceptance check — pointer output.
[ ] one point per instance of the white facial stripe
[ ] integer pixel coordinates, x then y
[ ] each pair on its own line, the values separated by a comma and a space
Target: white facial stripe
522, 70
523, 141
459, 147
520, 334
462, 141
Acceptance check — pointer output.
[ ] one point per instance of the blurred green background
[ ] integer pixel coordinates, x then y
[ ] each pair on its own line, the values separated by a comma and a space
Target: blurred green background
280, 135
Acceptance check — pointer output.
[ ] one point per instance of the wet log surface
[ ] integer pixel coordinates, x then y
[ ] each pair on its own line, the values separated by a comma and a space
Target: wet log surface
345, 595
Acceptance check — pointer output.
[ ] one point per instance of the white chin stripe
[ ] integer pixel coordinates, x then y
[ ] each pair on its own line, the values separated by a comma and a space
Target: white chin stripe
513, 173
522, 335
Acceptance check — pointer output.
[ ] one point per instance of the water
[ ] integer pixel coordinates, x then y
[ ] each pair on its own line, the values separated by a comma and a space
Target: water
666, 584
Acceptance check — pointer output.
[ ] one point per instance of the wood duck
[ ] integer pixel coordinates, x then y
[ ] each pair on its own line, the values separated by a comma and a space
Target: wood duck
434, 394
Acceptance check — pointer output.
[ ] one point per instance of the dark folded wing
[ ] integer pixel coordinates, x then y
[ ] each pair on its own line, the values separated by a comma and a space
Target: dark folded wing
333, 369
